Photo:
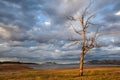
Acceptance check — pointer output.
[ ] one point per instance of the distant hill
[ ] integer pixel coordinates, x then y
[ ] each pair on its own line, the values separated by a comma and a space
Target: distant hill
114, 62
12, 62
49, 63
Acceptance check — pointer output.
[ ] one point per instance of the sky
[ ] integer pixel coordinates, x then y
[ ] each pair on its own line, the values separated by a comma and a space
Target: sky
37, 30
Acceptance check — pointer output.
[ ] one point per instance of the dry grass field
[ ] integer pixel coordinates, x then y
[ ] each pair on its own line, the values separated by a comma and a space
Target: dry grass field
22, 72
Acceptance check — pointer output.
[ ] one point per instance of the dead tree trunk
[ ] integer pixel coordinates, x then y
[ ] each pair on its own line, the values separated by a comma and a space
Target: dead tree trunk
81, 63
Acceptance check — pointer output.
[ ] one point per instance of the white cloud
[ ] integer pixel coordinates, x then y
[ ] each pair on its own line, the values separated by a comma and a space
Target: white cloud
8, 59
117, 13
4, 33
57, 51
47, 23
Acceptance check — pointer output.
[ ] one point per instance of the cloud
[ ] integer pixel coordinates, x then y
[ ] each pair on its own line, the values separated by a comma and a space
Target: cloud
109, 11
117, 13
11, 32
36, 29
47, 23
4, 33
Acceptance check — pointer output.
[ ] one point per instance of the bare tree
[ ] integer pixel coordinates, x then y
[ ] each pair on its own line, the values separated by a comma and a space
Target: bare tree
86, 42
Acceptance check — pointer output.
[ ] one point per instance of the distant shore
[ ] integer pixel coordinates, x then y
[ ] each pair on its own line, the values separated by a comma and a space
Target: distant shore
23, 65
16, 66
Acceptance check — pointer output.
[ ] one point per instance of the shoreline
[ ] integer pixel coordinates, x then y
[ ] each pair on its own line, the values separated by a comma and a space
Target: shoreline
28, 66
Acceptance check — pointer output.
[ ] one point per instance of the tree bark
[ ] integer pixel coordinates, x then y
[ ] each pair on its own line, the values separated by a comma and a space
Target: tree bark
81, 63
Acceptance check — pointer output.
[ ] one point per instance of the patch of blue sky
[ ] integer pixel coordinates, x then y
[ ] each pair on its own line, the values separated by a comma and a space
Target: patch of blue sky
41, 19
108, 7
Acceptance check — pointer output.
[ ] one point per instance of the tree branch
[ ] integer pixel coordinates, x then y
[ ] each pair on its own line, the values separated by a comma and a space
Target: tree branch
71, 18
78, 32
88, 21
76, 42
92, 40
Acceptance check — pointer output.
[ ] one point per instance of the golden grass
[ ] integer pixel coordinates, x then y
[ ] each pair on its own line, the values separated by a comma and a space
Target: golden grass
90, 73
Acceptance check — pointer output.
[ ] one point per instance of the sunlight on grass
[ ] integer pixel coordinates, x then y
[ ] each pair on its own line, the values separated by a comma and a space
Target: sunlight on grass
98, 73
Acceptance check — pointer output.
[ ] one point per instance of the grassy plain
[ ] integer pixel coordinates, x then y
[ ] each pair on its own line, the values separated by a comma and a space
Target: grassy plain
22, 72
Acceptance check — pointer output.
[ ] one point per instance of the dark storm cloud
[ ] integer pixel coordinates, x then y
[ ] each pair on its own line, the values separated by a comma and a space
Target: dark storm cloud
58, 12
108, 8
23, 12
111, 18
110, 30
10, 32
26, 14
18, 12
117, 5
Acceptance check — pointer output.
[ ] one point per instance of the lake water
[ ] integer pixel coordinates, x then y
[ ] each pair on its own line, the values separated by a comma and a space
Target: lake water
62, 65
54, 66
